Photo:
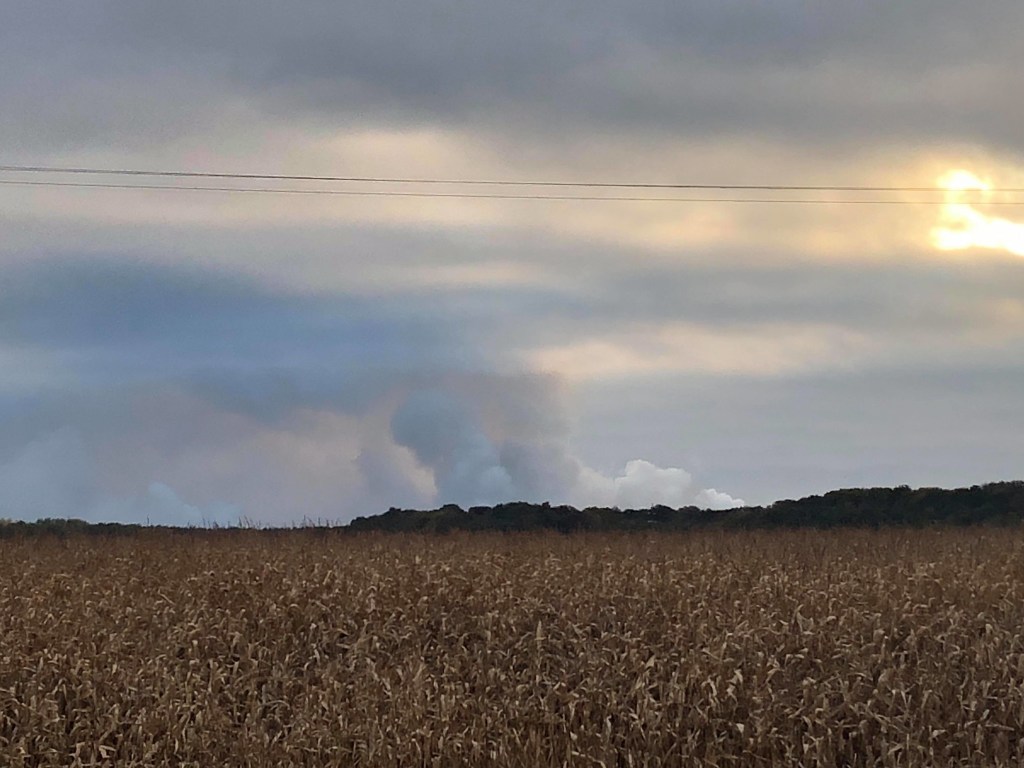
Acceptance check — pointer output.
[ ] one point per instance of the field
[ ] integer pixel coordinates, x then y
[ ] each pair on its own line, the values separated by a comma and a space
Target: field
899, 648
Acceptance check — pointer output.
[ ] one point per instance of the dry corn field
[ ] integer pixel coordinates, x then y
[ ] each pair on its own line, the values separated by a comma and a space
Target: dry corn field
276, 649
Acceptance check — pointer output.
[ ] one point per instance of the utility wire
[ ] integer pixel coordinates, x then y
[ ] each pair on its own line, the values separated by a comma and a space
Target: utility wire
488, 196
487, 182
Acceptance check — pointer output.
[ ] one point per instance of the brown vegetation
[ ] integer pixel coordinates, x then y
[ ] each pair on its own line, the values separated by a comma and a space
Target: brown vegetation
248, 648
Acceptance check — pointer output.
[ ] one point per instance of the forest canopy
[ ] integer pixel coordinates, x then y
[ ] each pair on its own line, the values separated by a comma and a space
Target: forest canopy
991, 504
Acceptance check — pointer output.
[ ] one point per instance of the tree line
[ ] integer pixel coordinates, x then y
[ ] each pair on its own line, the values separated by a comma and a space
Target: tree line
992, 504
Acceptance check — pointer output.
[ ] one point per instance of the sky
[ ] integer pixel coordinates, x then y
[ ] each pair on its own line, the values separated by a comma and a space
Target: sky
196, 357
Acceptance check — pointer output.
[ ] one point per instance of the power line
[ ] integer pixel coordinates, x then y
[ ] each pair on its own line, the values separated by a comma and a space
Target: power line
486, 196
482, 182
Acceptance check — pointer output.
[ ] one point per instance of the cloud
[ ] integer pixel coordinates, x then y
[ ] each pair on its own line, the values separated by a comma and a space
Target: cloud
828, 73
110, 319
26, 369
764, 350
945, 423
962, 226
178, 352
282, 405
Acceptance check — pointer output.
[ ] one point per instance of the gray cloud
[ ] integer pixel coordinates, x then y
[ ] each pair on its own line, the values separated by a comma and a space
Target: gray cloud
281, 405
114, 319
332, 361
127, 72
945, 424
132, 319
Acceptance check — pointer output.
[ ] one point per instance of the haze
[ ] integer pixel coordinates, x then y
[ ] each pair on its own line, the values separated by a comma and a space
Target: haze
189, 357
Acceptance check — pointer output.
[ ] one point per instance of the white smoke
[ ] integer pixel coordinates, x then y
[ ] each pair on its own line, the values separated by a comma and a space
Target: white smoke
471, 465
51, 476
643, 484
480, 439
161, 505
54, 476
465, 463
709, 498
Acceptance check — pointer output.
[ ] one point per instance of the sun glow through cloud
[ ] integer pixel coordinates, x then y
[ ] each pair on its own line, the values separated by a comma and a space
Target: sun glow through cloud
962, 225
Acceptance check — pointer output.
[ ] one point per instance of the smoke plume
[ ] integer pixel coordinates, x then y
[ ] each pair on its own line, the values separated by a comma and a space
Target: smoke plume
473, 465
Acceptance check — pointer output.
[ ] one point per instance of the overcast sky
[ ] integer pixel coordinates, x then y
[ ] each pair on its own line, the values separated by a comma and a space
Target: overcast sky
191, 357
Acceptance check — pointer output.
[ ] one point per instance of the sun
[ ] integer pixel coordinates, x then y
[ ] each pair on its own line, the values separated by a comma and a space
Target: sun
962, 226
